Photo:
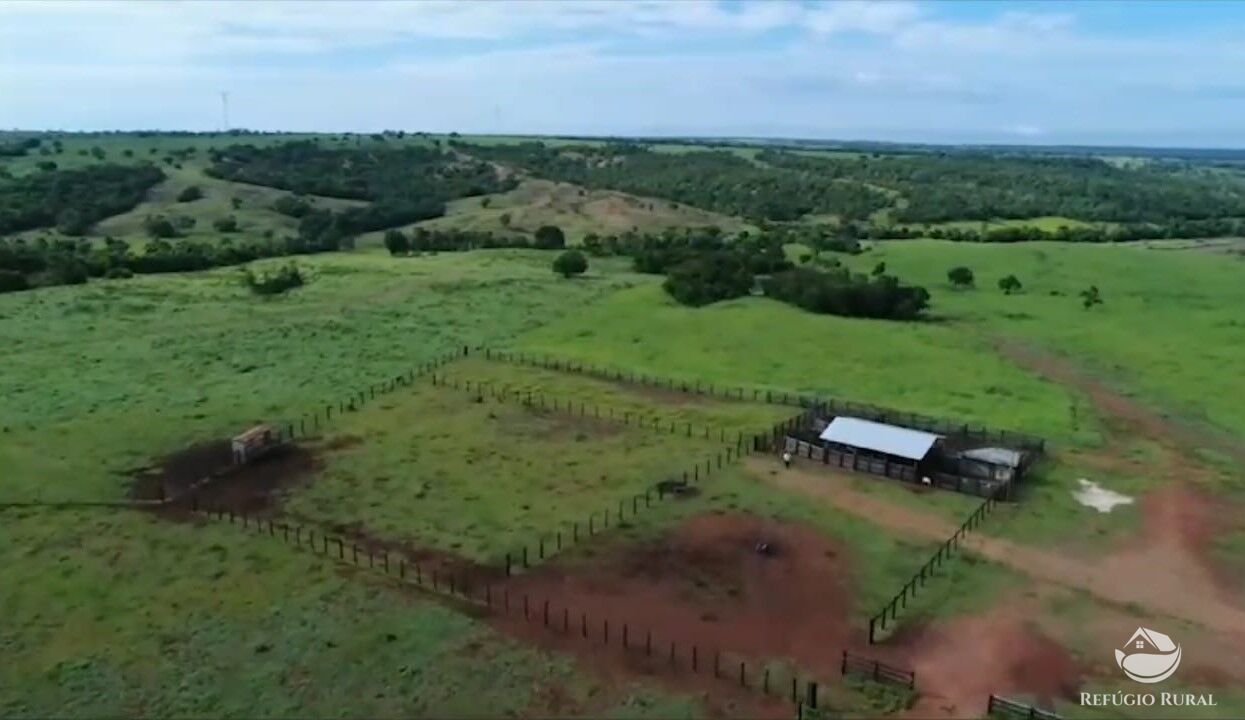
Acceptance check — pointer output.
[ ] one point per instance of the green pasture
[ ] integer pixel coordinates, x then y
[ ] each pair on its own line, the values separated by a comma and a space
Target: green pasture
437, 466
577, 211
109, 376
931, 368
1168, 330
115, 613
638, 404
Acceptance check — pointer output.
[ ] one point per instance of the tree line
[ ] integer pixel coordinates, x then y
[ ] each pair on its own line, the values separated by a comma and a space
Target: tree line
404, 184
712, 179
704, 266
73, 200
782, 186
40, 263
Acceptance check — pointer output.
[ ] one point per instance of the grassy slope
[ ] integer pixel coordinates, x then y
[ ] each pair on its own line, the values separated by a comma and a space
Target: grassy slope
92, 366
116, 613
574, 209
926, 368
1169, 328
482, 479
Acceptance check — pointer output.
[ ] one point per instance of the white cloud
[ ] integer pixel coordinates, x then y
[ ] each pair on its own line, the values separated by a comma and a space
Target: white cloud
892, 70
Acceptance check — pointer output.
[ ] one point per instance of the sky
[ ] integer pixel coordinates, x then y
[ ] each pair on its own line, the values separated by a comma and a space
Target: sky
1142, 73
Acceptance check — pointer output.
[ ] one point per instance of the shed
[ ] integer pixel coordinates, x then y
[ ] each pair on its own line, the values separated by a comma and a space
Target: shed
880, 438
996, 463
251, 444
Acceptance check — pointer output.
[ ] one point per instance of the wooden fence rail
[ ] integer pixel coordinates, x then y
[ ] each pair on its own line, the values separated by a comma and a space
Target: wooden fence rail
641, 643
927, 571
835, 406
877, 671
1003, 707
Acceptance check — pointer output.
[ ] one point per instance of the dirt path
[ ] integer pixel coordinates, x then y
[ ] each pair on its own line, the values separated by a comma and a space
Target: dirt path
1158, 576
1124, 416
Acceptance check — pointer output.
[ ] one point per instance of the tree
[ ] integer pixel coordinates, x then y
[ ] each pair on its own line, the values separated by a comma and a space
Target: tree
1009, 284
1091, 297
190, 194
397, 243
960, 276
158, 226
235, 202
879, 269
570, 262
550, 237
227, 224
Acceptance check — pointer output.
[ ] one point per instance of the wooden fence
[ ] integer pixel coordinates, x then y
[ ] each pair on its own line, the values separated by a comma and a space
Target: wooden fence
528, 398
849, 461
876, 671
927, 571
1004, 708
662, 655
828, 405
550, 543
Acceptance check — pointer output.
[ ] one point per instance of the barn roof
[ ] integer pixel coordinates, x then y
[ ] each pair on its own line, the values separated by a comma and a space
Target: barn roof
995, 456
880, 437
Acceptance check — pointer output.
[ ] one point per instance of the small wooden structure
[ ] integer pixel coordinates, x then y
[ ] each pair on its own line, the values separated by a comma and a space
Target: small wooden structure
253, 444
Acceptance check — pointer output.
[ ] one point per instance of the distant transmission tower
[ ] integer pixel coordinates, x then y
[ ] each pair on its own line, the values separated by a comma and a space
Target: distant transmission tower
224, 111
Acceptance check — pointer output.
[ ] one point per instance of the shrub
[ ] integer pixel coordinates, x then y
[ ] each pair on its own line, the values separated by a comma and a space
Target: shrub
119, 273
841, 293
285, 278
960, 276
570, 262
292, 206
550, 237
708, 278
397, 243
227, 224
190, 194
158, 226
1009, 284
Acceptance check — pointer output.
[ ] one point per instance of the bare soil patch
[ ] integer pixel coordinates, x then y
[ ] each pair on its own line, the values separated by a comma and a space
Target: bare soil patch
960, 662
251, 488
703, 584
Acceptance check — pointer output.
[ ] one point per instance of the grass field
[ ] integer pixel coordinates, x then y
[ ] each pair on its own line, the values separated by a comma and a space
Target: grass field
432, 465
92, 366
1167, 328
577, 211
120, 613
928, 368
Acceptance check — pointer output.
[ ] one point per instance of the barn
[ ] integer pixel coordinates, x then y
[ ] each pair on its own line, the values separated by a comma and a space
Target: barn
973, 463
892, 444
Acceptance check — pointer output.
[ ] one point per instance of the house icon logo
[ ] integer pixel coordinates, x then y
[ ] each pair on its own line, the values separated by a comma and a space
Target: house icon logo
1149, 656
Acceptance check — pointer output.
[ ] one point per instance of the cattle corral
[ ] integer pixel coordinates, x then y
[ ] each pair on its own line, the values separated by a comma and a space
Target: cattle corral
740, 586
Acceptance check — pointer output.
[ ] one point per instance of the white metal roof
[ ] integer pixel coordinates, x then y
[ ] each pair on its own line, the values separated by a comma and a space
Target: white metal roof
880, 437
995, 456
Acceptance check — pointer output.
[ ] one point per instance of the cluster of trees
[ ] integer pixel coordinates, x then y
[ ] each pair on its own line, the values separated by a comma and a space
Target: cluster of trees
404, 184
841, 292
714, 180
703, 266
421, 240
73, 200
984, 185
1151, 200
42, 262
18, 148
1125, 232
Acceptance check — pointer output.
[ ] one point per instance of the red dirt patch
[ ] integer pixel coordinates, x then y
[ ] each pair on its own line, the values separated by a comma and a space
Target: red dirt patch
705, 585
961, 662
250, 488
